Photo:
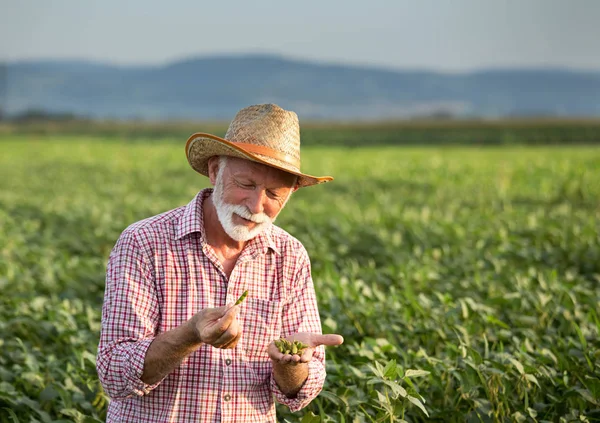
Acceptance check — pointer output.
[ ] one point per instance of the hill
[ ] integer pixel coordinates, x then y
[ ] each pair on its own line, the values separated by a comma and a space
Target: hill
216, 87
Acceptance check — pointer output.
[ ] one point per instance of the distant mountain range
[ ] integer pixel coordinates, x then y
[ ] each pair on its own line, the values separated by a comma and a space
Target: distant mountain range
216, 87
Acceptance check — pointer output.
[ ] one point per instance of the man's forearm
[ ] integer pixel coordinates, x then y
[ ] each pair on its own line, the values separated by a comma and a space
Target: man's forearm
166, 352
290, 377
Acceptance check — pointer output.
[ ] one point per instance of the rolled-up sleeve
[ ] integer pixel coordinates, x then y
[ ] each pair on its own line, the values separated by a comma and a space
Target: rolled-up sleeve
301, 314
130, 316
309, 391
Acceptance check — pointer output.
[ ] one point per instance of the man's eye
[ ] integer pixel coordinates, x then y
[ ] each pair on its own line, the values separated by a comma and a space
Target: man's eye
272, 194
245, 185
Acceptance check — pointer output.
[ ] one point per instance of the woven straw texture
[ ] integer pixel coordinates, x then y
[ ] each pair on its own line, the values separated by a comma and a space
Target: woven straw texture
263, 133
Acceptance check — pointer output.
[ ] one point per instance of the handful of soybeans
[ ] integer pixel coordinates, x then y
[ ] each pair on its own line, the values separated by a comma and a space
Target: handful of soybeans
286, 347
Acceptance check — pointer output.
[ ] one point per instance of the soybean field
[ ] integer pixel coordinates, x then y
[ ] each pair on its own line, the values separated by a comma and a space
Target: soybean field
464, 279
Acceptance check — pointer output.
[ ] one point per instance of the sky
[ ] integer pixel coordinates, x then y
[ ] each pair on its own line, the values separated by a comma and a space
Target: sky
441, 35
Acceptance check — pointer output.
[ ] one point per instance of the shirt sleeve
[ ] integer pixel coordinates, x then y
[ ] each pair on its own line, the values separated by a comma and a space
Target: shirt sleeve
302, 315
130, 316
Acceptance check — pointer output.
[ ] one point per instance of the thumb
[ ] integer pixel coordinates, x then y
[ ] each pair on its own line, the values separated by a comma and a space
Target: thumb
217, 312
327, 340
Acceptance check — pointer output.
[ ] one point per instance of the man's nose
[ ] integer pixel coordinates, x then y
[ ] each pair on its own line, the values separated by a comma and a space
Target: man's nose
256, 201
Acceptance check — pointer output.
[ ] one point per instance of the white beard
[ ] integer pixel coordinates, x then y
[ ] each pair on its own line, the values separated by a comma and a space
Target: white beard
225, 212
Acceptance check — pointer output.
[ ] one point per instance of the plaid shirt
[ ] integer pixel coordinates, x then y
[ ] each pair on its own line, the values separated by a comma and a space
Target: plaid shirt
159, 274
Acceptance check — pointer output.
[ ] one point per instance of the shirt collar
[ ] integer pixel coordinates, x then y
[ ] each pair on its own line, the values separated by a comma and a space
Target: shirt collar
263, 242
192, 220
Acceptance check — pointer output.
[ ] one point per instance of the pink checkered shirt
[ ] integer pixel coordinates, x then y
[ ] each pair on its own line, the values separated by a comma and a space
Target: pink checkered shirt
159, 274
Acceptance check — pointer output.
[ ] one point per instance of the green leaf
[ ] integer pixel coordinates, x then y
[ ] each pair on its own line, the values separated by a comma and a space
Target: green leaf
331, 397
416, 373
390, 369
518, 365
377, 370
382, 398
519, 417
585, 394
380, 369
418, 403
533, 379
582, 339
357, 372
310, 417
396, 388
12, 415
6, 387
497, 322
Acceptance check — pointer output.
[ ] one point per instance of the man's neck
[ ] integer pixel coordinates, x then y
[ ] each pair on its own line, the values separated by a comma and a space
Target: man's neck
215, 235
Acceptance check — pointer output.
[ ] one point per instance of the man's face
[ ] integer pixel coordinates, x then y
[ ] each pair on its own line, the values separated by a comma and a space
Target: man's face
248, 196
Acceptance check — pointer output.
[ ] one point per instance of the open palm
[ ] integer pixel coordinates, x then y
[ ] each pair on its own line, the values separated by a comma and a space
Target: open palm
313, 340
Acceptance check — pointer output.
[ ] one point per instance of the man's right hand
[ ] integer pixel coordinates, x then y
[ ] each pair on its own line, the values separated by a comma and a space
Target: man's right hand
218, 326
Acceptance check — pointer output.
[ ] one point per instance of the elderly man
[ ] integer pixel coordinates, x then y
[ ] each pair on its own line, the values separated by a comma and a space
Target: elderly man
174, 347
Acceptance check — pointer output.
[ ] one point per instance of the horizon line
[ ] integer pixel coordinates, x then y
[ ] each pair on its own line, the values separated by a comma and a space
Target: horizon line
291, 58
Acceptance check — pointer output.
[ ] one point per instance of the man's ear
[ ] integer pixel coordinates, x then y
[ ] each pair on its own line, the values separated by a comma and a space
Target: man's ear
213, 169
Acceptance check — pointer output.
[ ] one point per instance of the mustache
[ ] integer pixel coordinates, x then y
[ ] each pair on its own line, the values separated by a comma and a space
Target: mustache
246, 214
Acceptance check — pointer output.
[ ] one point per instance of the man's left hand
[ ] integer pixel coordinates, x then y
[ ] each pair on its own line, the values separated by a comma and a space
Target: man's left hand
313, 340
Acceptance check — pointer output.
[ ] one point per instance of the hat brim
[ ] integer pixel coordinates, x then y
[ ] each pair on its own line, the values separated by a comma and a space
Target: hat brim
200, 147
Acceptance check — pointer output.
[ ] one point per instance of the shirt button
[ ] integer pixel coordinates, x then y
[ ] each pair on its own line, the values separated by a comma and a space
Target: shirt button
227, 397
228, 361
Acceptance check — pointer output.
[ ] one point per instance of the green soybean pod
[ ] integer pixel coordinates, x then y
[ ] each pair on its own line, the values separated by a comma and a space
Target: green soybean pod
242, 297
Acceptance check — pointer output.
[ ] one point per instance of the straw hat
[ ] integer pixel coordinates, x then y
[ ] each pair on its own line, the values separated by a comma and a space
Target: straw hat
264, 133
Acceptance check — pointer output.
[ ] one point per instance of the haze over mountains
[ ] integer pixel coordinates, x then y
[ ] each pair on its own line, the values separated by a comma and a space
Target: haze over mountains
216, 87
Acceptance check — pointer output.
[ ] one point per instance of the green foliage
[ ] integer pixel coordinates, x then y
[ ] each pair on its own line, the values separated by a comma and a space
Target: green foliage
409, 132
464, 281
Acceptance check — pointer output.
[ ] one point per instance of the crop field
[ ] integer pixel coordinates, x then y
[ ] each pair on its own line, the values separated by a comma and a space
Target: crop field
465, 280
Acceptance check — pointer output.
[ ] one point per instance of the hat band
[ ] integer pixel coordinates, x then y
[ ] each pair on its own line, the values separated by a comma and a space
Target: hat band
269, 152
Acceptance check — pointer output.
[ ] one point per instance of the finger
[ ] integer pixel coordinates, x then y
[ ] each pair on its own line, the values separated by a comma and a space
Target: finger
287, 358
237, 331
232, 344
274, 352
223, 343
226, 344
216, 312
229, 306
223, 323
327, 340
228, 335
236, 340
307, 355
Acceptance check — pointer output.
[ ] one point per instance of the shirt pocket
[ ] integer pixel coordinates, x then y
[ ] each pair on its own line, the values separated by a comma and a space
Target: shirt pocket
261, 325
